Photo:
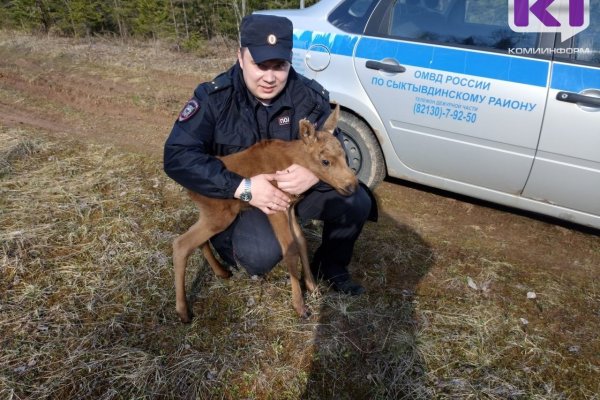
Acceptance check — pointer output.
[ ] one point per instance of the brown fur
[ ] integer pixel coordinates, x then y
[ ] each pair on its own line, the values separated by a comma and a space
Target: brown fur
318, 151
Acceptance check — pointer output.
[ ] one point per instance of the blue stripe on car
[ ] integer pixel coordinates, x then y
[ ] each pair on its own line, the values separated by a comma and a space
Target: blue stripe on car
574, 78
494, 66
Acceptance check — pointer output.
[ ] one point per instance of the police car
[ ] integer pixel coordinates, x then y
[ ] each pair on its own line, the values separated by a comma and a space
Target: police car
445, 93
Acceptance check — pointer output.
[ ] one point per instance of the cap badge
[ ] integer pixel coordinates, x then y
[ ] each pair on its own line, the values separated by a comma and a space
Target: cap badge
272, 39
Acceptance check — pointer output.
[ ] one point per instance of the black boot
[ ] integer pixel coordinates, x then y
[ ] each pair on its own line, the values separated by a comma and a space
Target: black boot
340, 281
347, 286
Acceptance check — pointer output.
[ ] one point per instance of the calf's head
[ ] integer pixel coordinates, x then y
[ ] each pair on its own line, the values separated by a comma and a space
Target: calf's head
325, 156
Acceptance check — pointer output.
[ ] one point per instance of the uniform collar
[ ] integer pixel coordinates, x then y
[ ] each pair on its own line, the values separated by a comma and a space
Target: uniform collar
284, 100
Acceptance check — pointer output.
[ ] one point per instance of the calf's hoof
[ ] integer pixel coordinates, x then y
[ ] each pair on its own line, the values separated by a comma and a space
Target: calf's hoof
225, 274
303, 312
185, 315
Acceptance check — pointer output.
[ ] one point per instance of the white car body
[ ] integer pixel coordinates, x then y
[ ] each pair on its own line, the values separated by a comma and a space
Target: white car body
460, 102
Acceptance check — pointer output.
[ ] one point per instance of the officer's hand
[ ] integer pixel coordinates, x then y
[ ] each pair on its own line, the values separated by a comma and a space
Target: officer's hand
267, 197
296, 179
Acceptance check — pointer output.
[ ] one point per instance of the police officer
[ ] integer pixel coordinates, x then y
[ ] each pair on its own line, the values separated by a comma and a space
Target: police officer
262, 97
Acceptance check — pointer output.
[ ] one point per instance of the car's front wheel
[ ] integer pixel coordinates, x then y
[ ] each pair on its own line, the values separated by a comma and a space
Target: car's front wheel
364, 154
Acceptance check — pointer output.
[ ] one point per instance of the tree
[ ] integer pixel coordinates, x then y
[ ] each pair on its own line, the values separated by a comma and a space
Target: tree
183, 21
149, 18
22, 14
79, 17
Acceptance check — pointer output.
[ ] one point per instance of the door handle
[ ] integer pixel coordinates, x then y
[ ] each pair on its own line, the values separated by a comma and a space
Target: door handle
392, 68
580, 99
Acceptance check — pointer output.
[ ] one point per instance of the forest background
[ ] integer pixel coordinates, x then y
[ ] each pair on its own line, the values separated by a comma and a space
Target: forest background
188, 24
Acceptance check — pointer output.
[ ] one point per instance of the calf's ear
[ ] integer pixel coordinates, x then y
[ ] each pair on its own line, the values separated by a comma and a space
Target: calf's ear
307, 131
332, 120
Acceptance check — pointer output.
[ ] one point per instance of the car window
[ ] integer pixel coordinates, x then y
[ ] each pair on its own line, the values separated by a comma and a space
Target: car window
352, 15
480, 23
588, 41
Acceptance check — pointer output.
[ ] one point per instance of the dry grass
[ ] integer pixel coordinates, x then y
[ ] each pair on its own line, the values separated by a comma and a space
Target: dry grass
141, 56
87, 304
87, 297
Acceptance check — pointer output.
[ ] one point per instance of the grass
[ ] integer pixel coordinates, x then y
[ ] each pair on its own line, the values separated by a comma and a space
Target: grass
87, 304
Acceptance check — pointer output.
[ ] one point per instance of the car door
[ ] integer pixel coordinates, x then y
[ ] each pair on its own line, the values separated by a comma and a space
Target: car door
455, 101
566, 170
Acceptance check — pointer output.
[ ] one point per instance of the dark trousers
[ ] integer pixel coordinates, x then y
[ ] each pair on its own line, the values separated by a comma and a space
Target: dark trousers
250, 242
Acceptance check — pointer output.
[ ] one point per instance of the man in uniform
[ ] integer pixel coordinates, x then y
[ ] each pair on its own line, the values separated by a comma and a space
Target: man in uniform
262, 97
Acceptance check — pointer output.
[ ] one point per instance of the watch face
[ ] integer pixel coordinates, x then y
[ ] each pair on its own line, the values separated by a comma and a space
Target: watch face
246, 196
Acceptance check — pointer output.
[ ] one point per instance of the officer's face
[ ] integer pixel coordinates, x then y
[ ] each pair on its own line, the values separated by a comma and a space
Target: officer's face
265, 80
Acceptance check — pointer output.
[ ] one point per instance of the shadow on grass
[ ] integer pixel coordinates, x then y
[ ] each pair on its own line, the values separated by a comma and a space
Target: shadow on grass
367, 347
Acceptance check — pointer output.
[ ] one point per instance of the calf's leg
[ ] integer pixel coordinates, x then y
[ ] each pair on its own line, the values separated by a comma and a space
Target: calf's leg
289, 248
214, 263
300, 240
197, 235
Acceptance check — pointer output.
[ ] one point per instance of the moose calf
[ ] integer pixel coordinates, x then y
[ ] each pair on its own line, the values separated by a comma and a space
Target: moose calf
318, 151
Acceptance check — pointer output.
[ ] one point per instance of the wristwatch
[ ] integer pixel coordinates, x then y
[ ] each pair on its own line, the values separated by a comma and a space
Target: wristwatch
246, 195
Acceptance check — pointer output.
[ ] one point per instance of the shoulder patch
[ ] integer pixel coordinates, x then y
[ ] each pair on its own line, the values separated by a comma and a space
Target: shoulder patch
188, 111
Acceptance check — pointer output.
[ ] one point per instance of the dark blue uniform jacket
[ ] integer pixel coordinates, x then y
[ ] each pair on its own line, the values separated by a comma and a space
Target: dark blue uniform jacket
224, 118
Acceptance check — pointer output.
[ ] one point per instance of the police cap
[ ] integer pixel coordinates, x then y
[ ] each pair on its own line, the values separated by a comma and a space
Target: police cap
268, 37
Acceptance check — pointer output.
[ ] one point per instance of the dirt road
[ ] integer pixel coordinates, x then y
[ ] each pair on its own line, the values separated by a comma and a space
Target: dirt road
126, 96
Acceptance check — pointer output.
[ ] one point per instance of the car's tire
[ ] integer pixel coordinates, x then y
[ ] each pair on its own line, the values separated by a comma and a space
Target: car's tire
364, 154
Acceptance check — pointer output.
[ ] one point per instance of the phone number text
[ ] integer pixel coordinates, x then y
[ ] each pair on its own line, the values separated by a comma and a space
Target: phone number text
444, 112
